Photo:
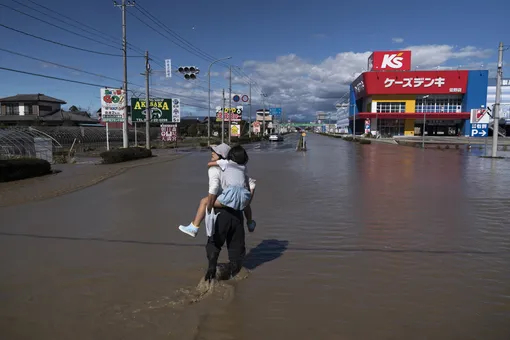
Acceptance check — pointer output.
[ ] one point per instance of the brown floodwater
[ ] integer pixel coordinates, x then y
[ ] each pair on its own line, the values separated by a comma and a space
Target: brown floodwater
352, 242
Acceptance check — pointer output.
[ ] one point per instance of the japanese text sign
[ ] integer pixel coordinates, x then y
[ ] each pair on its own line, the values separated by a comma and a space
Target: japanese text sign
113, 103
233, 114
169, 132
419, 82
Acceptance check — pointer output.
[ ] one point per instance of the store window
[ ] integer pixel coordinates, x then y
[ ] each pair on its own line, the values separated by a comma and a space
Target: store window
391, 107
391, 127
440, 104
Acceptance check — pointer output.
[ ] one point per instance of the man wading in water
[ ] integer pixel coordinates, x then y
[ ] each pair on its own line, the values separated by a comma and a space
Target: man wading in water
229, 224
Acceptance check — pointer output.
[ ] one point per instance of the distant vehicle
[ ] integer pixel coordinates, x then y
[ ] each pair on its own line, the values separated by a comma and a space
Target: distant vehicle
275, 137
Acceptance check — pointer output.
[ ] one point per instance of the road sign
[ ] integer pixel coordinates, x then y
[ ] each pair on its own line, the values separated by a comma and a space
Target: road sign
235, 130
236, 98
479, 130
245, 98
275, 111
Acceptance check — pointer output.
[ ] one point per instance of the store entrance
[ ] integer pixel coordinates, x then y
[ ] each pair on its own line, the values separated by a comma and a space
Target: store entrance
439, 127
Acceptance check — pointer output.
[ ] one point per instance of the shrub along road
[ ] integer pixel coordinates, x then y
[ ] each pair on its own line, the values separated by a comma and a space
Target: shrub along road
72, 178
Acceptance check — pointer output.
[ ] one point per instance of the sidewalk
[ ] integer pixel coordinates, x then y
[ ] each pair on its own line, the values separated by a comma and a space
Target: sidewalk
72, 177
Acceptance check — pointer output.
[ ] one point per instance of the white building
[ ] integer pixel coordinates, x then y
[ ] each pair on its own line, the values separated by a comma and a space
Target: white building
505, 97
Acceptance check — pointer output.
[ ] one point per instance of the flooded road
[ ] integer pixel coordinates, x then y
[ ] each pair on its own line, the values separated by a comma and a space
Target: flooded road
352, 242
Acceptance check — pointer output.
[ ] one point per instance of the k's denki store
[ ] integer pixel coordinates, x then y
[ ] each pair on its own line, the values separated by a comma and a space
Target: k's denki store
394, 100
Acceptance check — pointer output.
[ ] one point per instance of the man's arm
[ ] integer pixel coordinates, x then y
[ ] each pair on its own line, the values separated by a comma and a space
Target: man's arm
210, 201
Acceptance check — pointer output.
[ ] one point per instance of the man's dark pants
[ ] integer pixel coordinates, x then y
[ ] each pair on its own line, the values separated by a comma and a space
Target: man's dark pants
229, 227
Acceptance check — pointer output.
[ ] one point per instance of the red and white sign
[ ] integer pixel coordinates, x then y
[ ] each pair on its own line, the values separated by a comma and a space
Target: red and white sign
417, 82
480, 116
169, 132
389, 61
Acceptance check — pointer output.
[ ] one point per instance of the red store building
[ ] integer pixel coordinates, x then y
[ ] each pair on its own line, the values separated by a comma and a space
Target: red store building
392, 99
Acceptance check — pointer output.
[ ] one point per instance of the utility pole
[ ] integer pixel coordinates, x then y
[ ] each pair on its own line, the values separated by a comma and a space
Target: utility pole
125, 140
249, 126
263, 116
230, 104
495, 127
209, 114
223, 119
148, 109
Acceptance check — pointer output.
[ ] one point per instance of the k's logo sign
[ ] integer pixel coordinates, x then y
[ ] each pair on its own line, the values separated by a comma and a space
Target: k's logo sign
392, 61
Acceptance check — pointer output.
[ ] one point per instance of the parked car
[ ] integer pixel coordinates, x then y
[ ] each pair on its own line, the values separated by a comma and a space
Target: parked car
275, 137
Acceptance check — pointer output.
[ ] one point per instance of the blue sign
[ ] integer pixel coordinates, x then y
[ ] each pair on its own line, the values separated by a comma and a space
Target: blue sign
479, 130
236, 98
275, 111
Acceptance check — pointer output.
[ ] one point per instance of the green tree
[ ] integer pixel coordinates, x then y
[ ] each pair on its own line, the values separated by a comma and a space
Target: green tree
192, 130
74, 108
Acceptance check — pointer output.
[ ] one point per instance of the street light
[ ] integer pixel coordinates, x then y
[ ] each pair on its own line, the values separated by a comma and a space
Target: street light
424, 118
209, 113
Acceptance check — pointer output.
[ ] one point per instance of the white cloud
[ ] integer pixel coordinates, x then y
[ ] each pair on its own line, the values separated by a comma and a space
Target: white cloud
397, 40
303, 87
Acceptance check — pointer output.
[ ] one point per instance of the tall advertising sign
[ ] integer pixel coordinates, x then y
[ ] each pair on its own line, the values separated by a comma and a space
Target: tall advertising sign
233, 114
390, 61
113, 102
161, 110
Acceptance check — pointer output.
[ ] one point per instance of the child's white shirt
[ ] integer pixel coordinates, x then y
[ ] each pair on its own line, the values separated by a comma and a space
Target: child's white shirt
234, 175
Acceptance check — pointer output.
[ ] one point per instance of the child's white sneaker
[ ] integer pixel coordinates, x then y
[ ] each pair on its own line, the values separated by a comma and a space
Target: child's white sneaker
190, 229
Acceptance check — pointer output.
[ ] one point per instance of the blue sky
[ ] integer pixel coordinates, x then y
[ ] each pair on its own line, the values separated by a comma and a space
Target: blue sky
303, 54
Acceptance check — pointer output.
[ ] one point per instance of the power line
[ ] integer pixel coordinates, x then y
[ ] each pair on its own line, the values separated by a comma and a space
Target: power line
196, 51
62, 44
151, 17
59, 65
82, 26
73, 81
57, 26
50, 77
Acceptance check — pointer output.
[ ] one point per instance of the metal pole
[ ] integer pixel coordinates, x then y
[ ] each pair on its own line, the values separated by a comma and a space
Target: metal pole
147, 102
263, 116
223, 119
495, 129
353, 121
209, 113
125, 140
230, 104
424, 104
136, 137
249, 126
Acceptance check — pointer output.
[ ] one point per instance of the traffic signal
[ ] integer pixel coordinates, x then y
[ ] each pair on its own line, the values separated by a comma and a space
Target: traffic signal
190, 72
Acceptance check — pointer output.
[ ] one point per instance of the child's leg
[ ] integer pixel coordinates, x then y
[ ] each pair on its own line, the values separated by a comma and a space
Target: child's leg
247, 213
199, 217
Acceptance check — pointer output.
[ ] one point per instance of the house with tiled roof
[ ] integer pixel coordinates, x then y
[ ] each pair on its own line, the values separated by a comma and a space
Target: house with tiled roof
39, 109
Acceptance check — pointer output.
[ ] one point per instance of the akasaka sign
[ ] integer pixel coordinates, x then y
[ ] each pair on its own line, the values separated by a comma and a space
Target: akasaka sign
162, 110
422, 82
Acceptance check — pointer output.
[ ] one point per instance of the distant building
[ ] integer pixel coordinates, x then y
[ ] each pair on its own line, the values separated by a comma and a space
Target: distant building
504, 112
39, 109
394, 101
